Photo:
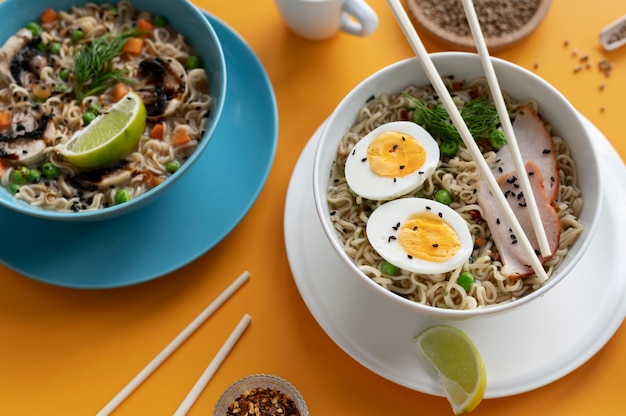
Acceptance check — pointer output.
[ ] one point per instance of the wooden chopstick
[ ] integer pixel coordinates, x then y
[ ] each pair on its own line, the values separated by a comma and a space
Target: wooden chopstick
496, 93
206, 376
416, 43
173, 345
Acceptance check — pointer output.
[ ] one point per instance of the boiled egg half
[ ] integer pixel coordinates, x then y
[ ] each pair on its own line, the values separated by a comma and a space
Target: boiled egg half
419, 235
391, 160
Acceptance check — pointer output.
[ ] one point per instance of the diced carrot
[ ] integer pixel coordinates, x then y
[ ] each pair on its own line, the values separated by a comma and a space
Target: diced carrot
119, 91
5, 119
480, 242
133, 46
180, 137
2, 168
48, 16
151, 179
144, 25
157, 131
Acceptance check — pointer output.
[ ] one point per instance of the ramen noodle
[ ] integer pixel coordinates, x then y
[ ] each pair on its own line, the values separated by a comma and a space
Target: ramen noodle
459, 176
46, 90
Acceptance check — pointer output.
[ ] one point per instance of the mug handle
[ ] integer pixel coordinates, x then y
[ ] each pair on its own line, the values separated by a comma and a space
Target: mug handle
366, 18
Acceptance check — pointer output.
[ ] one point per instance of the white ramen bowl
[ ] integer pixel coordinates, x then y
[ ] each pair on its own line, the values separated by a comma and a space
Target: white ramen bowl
187, 20
514, 80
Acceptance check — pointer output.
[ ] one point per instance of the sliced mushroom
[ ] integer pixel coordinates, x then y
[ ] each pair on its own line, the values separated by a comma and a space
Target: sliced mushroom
24, 143
163, 86
11, 48
22, 150
104, 178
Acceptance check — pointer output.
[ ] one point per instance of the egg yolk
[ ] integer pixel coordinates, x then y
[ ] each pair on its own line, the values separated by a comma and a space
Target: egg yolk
428, 237
393, 154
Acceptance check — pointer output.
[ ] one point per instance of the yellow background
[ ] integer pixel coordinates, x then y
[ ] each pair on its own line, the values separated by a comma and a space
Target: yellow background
68, 352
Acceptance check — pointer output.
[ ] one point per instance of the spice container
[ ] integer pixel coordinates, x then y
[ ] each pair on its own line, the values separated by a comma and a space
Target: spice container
613, 36
261, 394
503, 22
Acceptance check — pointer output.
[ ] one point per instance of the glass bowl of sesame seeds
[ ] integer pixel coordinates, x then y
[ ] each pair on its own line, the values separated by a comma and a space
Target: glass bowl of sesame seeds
503, 22
261, 394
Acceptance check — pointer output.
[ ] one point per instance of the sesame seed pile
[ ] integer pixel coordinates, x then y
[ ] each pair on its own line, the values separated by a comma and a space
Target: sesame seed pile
496, 17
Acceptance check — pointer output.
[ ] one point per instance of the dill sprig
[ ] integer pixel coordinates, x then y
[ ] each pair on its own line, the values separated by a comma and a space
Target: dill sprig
93, 65
480, 116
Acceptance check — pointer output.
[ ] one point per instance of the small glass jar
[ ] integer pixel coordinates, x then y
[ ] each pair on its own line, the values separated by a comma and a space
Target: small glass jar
260, 381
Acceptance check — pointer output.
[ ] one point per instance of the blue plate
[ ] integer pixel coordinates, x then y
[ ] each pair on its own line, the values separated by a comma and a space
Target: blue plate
186, 221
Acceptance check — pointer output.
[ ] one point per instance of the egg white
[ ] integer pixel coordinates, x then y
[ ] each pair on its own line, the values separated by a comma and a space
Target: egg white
366, 183
383, 224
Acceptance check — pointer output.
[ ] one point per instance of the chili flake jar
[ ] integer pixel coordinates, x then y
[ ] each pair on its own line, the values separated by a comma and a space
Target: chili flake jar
261, 395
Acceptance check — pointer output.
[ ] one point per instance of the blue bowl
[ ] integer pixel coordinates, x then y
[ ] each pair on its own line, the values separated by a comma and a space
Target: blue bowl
187, 20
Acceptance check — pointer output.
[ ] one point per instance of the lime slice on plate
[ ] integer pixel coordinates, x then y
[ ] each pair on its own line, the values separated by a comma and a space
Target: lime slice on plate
459, 365
109, 137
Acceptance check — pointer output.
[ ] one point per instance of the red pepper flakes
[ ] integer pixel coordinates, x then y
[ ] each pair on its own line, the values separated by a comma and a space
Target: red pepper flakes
263, 402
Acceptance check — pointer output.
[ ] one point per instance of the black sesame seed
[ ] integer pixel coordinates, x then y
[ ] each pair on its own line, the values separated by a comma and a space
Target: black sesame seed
516, 185
391, 238
546, 151
401, 166
415, 228
498, 221
409, 256
514, 242
440, 215
500, 169
353, 152
522, 204
364, 159
333, 212
531, 173
428, 208
435, 245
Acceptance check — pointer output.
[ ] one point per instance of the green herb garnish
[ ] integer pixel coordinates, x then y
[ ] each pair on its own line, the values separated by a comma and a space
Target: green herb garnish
93, 65
479, 115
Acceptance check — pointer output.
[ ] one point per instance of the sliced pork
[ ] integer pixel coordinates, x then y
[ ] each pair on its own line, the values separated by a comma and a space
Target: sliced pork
515, 262
535, 143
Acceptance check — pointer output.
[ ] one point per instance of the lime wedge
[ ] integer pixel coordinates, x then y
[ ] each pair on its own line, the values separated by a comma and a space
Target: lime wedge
459, 365
109, 137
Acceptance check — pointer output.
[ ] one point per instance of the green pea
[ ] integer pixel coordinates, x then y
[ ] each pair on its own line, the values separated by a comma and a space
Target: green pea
193, 62
443, 197
172, 166
34, 28
160, 21
60, 87
466, 280
497, 139
55, 48
77, 34
34, 175
13, 188
122, 195
88, 117
389, 269
64, 74
20, 176
42, 47
49, 170
449, 148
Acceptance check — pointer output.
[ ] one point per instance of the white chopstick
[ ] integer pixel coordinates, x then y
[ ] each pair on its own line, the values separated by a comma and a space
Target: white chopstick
173, 345
206, 376
414, 40
496, 93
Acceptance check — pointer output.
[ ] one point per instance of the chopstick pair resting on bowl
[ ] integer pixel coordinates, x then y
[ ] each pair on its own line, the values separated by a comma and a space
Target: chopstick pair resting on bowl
409, 31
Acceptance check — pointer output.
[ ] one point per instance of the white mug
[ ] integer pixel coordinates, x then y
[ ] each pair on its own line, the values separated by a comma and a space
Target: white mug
321, 19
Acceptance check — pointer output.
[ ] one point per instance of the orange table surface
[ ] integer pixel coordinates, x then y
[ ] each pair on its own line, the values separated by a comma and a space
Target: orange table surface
68, 352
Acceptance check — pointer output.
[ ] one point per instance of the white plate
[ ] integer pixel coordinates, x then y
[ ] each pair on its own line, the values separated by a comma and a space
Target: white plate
523, 349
